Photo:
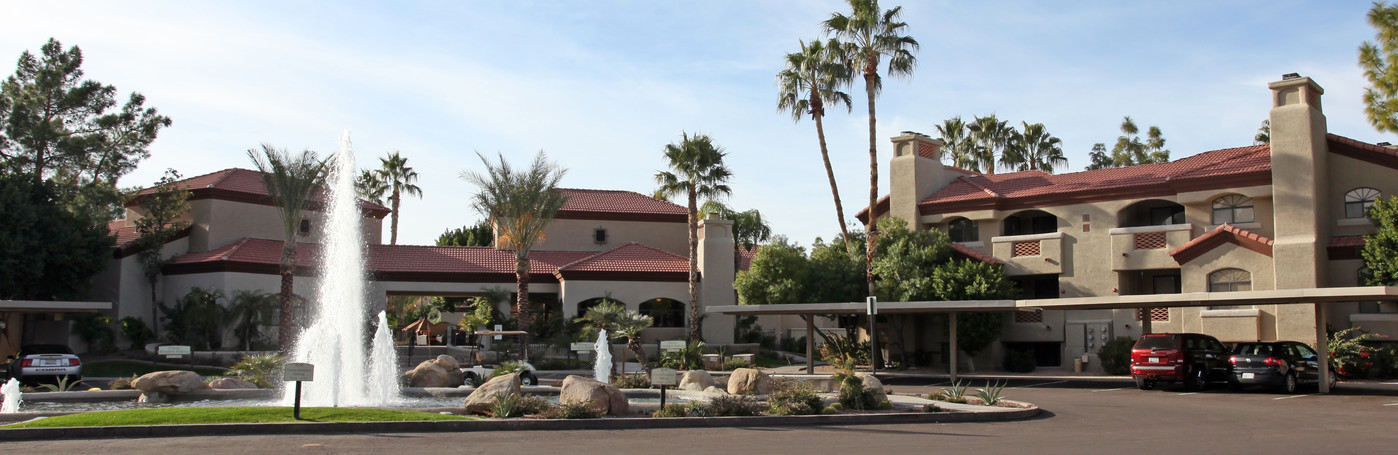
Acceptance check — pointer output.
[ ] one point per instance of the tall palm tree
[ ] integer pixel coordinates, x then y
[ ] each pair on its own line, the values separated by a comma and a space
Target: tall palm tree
696, 170
958, 146
519, 203
606, 315
991, 136
291, 181
400, 180
811, 80
1039, 150
870, 34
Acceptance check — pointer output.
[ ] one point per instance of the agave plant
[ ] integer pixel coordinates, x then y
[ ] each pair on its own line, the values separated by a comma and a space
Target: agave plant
992, 393
957, 392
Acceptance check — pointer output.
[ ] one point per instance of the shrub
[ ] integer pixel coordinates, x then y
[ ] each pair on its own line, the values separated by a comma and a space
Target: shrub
121, 383
509, 366
263, 370
932, 407
730, 406
96, 331
135, 330
1020, 361
842, 348
506, 406
853, 394
834, 408
938, 395
790, 344
792, 397
733, 364
1116, 356
672, 410
532, 404
631, 381
992, 393
570, 411
1348, 354
689, 358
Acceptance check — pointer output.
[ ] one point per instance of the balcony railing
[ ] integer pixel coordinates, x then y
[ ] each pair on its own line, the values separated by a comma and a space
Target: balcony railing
1147, 247
1034, 254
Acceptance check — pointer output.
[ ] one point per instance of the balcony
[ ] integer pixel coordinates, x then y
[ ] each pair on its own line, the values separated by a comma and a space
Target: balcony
1147, 247
1034, 254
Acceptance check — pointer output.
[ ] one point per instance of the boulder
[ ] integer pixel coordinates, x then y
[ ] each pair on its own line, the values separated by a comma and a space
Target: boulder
442, 371
172, 382
713, 390
696, 380
871, 382
483, 398
748, 381
231, 383
578, 390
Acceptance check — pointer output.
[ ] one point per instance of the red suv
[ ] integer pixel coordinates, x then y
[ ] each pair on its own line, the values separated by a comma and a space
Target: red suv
1192, 358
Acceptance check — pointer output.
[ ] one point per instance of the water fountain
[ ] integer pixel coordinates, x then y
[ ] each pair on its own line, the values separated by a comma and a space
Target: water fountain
347, 372
12, 397
602, 365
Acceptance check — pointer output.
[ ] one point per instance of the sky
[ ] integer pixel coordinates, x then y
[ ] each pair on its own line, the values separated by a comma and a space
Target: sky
602, 86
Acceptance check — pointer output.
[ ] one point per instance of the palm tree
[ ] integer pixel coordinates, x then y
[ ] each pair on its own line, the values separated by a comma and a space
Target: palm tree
748, 228
519, 203
629, 325
812, 79
1038, 149
400, 179
368, 186
1264, 133
958, 147
250, 310
291, 180
603, 316
991, 136
696, 170
869, 34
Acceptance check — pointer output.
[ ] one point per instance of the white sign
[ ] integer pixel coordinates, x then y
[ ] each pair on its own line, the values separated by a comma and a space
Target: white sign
172, 350
672, 345
582, 346
871, 306
498, 328
298, 372
663, 376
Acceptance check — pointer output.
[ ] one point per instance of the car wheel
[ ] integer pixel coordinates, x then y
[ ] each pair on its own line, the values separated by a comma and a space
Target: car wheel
528, 379
1196, 380
1333, 380
1144, 384
1288, 384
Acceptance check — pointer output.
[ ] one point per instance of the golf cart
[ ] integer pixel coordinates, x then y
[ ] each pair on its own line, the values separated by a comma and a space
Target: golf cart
479, 372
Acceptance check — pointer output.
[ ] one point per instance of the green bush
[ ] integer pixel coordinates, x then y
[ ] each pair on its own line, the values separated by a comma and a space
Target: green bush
729, 406
931, 407
135, 330
121, 383
532, 404
853, 394
570, 411
506, 406
96, 331
672, 410
793, 397
1350, 358
509, 366
263, 370
689, 358
733, 364
790, 344
841, 348
631, 381
1020, 361
1116, 356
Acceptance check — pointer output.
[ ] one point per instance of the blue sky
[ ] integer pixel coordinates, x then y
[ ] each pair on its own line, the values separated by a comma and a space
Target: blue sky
603, 86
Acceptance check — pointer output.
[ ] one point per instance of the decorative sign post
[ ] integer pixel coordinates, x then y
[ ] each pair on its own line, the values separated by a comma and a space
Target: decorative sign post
672, 345
662, 377
298, 372
176, 351
871, 306
579, 347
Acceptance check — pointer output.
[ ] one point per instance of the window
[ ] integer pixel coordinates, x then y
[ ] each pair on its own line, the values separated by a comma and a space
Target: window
1229, 280
1163, 216
599, 235
962, 230
305, 226
665, 312
1233, 209
1358, 201
1031, 222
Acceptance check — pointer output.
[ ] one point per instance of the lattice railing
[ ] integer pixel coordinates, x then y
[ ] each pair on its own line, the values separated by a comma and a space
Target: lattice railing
1029, 316
1157, 314
1027, 248
1150, 240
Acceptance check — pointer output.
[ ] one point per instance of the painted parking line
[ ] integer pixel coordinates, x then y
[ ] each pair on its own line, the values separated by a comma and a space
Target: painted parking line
1108, 390
1039, 384
1391, 404
1290, 397
1188, 393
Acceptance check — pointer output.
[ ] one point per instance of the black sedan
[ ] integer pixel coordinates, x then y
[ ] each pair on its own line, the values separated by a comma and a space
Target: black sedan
1282, 365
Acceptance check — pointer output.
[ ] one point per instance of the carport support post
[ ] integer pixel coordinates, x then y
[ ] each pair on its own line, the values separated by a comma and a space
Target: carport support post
1322, 347
810, 343
951, 334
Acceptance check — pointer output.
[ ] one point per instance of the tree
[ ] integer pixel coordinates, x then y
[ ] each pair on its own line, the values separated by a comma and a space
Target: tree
249, 311
629, 325
696, 170
870, 34
1380, 63
400, 180
1130, 150
991, 136
519, 203
46, 252
812, 78
778, 275
906, 259
196, 319
1264, 133
1036, 149
973, 280
291, 181
749, 229
479, 234
1380, 251
368, 186
1100, 158
159, 224
959, 149
55, 125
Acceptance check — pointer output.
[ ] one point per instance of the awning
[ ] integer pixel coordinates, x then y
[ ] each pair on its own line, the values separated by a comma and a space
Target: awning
53, 306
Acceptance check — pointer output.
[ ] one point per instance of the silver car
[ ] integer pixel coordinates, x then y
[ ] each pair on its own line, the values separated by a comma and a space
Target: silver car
46, 363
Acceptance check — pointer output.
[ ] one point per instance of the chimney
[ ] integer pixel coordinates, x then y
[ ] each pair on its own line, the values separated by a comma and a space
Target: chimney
915, 172
1300, 181
716, 275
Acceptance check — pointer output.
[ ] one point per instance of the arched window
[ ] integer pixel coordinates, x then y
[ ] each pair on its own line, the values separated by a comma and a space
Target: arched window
1233, 209
963, 230
1229, 280
583, 306
1358, 201
666, 312
1030, 222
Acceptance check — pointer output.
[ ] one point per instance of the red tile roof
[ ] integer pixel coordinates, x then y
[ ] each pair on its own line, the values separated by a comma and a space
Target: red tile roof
442, 263
126, 237
1226, 233
745, 256
971, 253
1344, 241
242, 185
1344, 247
619, 205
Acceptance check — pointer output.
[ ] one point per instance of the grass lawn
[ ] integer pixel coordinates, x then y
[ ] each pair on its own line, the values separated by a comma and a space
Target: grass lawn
126, 368
177, 416
769, 362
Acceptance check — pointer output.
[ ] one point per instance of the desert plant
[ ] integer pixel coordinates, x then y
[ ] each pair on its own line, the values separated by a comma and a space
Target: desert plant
992, 393
672, 410
932, 407
263, 370
792, 397
853, 394
62, 386
1116, 356
532, 404
121, 383
729, 406
509, 366
957, 391
839, 348
135, 330
506, 406
689, 358
571, 411
475, 380
631, 381
1019, 360
733, 364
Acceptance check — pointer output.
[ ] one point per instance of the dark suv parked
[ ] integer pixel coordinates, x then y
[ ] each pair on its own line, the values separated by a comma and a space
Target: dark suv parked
1279, 364
1192, 358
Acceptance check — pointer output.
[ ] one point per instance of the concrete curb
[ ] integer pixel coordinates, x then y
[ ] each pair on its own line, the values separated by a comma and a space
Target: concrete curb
461, 426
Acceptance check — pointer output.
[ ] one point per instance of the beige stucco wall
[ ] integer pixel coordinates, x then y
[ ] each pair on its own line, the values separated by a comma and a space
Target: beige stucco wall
219, 222
1348, 174
576, 235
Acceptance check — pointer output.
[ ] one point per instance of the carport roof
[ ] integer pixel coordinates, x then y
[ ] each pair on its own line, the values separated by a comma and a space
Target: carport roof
53, 306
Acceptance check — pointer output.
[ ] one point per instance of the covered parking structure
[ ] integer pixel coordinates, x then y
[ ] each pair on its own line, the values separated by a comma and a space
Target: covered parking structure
1308, 296
36, 321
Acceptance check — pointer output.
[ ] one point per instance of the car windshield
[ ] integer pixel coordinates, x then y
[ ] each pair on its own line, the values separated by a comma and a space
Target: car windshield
1156, 342
45, 349
1253, 349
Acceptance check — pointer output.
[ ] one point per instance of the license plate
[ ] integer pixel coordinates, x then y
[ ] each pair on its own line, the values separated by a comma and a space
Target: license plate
1249, 375
1154, 360
48, 363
